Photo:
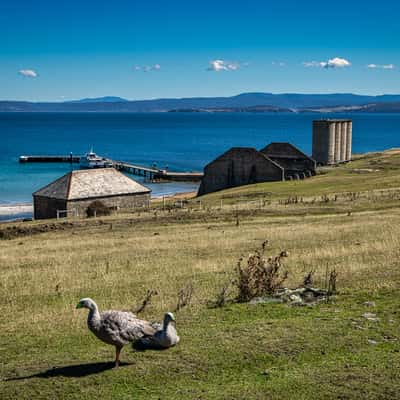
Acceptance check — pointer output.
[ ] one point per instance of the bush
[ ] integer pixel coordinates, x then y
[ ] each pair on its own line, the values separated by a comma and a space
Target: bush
259, 276
97, 209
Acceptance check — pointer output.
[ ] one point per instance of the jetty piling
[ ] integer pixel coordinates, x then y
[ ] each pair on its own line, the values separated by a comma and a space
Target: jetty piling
49, 159
153, 174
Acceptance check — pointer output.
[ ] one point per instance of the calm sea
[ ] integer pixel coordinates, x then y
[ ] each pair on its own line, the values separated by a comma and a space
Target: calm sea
181, 141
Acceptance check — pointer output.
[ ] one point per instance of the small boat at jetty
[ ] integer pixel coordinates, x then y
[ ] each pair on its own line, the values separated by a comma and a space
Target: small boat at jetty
92, 160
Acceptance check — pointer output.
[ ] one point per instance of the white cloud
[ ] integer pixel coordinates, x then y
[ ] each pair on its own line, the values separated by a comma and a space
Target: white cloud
381, 66
221, 65
336, 62
147, 68
29, 73
279, 63
313, 64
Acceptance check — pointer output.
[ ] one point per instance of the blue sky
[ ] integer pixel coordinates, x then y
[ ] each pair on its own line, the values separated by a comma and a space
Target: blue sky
60, 50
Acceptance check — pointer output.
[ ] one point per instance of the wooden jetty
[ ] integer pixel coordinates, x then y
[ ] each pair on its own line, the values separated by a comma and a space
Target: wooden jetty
49, 159
156, 174
135, 169
151, 173
182, 176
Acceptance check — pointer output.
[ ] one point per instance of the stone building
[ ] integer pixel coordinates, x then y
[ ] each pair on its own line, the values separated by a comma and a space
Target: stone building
295, 162
242, 166
332, 141
239, 166
74, 192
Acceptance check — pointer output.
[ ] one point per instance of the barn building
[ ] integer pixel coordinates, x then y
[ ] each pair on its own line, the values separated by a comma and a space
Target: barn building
242, 166
295, 162
74, 192
239, 166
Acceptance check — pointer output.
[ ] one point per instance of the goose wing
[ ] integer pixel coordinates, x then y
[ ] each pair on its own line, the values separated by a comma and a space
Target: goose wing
160, 340
124, 327
150, 342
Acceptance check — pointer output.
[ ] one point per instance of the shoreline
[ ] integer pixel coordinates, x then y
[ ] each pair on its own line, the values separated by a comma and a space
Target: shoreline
13, 209
27, 208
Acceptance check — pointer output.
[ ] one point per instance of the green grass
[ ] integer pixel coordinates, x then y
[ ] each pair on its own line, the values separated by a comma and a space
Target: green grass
240, 351
369, 172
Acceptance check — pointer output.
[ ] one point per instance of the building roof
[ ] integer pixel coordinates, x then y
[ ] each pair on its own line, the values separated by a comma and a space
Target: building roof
243, 152
283, 150
91, 183
331, 120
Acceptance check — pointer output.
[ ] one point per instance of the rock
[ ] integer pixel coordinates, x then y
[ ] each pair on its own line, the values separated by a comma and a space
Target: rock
260, 300
303, 296
360, 327
295, 298
371, 341
371, 317
369, 304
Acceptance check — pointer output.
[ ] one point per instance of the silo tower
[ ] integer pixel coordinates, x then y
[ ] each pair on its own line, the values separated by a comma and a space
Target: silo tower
332, 141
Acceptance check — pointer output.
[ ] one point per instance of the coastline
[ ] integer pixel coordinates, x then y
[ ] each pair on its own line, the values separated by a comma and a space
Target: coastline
13, 209
9, 212
175, 196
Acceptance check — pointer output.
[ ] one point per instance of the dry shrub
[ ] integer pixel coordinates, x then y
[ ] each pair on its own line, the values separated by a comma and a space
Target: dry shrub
332, 282
184, 297
222, 297
309, 279
259, 276
97, 209
146, 301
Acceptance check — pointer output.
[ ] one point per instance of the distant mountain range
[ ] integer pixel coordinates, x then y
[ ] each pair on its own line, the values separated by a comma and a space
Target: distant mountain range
106, 99
245, 102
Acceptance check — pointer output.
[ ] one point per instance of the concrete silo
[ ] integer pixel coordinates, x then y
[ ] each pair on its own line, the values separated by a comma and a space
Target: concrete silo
332, 139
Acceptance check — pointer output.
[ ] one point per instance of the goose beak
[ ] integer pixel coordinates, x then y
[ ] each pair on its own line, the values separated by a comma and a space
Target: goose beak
79, 305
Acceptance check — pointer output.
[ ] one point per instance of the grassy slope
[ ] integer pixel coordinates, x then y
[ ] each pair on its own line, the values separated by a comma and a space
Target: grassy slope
369, 172
240, 351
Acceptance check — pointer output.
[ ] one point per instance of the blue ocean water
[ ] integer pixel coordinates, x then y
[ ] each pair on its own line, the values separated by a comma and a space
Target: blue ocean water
183, 141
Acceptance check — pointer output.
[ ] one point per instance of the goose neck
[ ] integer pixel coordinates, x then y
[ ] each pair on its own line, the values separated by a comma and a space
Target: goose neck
94, 317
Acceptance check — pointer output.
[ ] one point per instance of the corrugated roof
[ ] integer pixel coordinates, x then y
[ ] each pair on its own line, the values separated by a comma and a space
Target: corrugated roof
83, 184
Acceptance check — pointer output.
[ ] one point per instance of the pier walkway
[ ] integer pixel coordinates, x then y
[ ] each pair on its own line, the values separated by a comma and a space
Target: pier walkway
157, 174
49, 159
151, 173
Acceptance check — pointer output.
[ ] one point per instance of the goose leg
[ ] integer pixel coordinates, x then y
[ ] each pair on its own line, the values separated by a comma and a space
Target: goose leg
117, 353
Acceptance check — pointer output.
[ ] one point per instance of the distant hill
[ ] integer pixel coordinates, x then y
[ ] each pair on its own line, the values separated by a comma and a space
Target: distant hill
365, 108
106, 99
259, 109
246, 102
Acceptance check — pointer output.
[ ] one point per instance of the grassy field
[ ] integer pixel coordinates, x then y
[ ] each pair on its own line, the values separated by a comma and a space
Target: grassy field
347, 218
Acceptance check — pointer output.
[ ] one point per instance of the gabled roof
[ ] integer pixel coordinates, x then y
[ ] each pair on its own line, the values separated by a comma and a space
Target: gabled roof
243, 152
89, 183
283, 150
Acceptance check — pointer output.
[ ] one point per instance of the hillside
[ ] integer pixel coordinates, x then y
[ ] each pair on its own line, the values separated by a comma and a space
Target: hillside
346, 218
280, 102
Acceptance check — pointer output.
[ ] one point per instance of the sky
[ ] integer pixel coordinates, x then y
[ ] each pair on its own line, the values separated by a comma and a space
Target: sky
63, 50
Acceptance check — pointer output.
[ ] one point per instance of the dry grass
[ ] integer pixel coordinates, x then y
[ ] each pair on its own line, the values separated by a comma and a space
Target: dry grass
42, 277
